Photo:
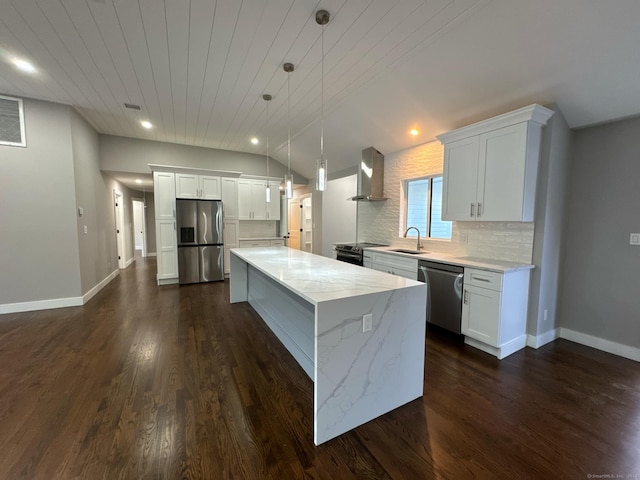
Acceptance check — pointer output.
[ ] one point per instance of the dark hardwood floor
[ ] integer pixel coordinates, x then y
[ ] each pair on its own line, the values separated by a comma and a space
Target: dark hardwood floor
174, 382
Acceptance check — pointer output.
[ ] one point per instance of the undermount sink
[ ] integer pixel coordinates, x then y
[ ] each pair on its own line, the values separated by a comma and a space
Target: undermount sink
404, 250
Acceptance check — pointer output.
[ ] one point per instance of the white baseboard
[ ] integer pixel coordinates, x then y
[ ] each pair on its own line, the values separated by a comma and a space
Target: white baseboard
537, 341
626, 351
502, 351
152, 254
91, 293
40, 305
57, 302
129, 262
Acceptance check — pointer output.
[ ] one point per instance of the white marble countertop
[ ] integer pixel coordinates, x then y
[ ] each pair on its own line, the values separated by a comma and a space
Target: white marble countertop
319, 279
480, 263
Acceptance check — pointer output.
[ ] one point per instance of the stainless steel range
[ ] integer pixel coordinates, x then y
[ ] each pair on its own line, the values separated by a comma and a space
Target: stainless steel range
352, 252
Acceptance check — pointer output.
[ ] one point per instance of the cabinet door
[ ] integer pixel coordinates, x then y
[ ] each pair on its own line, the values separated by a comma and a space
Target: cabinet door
229, 193
259, 200
460, 179
273, 208
481, 314
210, 187
244, 200
164, 187
501, 174
167, 250
187, 185
230, 234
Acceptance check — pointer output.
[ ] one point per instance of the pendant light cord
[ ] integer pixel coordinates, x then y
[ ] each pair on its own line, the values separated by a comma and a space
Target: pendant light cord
289, 126
267, 129
322, 99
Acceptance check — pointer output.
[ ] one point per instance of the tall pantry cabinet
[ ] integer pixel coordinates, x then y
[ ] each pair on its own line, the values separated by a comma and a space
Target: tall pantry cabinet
164, 186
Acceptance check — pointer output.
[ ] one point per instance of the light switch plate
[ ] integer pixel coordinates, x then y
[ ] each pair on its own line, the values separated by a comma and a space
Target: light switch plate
367, 321
634, 239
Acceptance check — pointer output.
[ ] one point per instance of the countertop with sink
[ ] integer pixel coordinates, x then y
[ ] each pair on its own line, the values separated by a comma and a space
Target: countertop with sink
463, 261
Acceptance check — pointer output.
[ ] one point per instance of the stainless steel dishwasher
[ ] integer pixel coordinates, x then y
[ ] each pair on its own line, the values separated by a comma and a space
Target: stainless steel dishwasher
444, 293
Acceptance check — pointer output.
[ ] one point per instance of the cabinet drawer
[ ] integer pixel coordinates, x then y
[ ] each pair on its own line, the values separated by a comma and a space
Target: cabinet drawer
483, 279
276, 243
254, 243
396, 261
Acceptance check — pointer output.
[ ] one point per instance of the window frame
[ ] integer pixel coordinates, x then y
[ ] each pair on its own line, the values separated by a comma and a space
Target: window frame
405, 207
23, 131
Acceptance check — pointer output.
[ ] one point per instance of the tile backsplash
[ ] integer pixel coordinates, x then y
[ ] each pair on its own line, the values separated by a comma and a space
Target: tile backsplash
380, 221
258, 228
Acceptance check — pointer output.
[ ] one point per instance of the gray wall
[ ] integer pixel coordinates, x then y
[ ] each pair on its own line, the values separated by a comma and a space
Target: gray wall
97, 248
550, 217
39, 256
120, 154
600, 294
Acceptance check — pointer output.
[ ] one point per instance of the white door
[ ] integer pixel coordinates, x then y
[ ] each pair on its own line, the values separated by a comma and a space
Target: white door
481, 314
210, 187
139, 226
164, 186
293, 222
460, 179
186, 185
244, 200
501, 174
259, 200
118, 206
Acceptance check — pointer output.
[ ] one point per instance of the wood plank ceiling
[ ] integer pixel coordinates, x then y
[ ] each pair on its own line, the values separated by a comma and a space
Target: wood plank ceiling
198, 68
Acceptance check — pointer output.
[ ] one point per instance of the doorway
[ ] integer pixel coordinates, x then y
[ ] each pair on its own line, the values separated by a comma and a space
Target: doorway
139, 237
118, 206
306, 214
293, 223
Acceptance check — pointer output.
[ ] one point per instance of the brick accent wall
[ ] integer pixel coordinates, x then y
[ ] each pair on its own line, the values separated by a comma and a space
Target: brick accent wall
380, 221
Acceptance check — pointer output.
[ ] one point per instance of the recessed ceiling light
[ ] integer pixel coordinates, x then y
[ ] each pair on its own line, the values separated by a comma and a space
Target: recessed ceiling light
146, 124
138, 181
414, 132
24, 65
254, 140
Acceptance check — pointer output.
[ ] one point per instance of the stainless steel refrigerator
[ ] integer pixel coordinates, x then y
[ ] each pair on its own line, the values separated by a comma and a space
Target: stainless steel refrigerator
200, 248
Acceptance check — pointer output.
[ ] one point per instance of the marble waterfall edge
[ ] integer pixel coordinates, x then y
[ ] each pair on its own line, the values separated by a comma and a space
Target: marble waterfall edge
362, 375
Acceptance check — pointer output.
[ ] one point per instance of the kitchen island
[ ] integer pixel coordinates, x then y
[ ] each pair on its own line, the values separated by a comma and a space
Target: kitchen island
359, 334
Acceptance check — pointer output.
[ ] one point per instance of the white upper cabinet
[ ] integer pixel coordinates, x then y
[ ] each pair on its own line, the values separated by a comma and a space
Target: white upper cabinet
229, 191
252, 200
273, 207
490, 167
164, 195
205, 187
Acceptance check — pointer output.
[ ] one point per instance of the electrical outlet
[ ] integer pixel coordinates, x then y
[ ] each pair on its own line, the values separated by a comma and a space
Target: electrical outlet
634, 239
86, 230
367, 322
546, 313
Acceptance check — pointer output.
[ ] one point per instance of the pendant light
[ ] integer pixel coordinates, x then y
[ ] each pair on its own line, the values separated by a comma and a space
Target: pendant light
322, 18
288, 178
267, 98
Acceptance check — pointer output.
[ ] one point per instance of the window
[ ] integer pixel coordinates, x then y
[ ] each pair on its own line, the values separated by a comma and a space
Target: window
423, 208
11, 122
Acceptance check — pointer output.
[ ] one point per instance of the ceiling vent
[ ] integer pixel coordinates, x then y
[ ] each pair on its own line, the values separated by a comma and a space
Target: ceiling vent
132, 106
12, 130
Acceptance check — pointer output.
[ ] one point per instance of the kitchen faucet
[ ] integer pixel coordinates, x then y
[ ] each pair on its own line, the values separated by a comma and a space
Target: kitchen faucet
419, 246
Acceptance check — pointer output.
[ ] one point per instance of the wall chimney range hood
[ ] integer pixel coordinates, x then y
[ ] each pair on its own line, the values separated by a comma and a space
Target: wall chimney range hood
370, 177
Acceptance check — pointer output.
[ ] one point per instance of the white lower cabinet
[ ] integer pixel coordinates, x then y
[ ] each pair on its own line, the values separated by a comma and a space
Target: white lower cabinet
230, 233
393, 264
167, 252
494, 310
254, 243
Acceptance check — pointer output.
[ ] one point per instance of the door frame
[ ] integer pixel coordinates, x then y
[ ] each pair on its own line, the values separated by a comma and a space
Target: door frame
309, 197
118, 209
143, 226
